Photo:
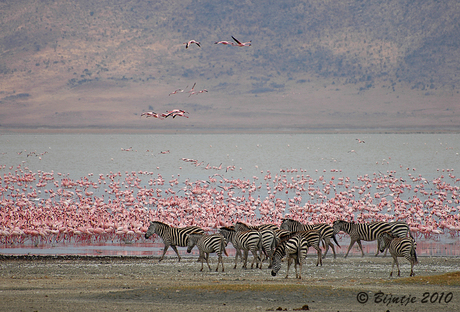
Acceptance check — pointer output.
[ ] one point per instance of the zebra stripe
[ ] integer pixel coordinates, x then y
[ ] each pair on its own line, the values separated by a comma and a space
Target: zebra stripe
248, 240
361, 231
207, 244
325, 230
296, 248
171, 236
400, 247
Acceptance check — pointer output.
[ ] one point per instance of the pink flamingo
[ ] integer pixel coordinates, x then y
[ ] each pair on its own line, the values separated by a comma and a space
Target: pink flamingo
244, 44
187, 44
224, 43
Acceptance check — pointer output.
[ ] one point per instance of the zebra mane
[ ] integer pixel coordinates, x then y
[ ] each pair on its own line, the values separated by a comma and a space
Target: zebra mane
292, 220
389, 234
195, 233
228, 228
239, 222
159, 222
286, 238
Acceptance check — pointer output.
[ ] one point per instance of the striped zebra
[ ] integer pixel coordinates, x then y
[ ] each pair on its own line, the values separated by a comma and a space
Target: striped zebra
171, 236
398, 229
296, 248
268, 237
361, 231
399, 247
325, 230
208, 244
248, 240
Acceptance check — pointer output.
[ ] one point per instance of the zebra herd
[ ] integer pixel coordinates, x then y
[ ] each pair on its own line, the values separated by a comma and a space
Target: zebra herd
291, 241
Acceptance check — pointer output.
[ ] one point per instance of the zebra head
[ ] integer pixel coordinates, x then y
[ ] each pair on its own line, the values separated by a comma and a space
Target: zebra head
340, 225
150, 230
279, 253
192, 240
291, 225
153, 228
384, 240
228, 233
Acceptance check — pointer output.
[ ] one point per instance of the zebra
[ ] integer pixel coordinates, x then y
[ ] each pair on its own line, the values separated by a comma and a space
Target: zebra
326, 231
171, 236
268, 237
398, 229
399, 247
296, 248
361, 231
247, 240
208, 244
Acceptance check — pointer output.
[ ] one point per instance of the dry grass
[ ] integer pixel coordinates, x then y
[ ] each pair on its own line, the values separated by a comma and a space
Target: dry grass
448, 279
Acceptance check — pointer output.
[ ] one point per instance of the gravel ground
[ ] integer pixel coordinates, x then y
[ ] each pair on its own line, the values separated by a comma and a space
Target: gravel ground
75, 283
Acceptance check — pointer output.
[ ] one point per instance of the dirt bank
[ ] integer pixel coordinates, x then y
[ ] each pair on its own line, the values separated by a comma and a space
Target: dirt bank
73, 283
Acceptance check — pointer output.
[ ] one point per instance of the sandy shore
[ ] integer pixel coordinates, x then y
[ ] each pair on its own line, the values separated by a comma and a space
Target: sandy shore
73, 283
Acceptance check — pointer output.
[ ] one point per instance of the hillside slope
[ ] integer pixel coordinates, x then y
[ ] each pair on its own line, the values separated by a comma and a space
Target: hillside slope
312, 65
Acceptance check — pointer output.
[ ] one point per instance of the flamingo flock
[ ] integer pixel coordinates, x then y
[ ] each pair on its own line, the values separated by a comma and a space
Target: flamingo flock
52, 207
173, 113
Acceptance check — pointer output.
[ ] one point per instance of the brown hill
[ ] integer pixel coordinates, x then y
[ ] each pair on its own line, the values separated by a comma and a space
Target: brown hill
312, 66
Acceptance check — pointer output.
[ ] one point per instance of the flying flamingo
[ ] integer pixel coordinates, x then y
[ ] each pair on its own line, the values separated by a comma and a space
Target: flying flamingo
151, 114
244, 44
224, 43
187, 44
178, 90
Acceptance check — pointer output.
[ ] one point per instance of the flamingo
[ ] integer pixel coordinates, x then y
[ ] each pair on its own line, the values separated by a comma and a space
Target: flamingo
225, 43
178, 90
151, 114
244, 44
187, 44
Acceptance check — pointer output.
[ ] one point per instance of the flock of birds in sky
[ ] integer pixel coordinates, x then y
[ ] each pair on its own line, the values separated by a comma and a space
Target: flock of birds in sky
177, 112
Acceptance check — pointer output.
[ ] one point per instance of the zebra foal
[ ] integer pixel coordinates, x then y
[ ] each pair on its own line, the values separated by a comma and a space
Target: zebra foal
208, 244
398, 229
399, 247
171, 236
361, 231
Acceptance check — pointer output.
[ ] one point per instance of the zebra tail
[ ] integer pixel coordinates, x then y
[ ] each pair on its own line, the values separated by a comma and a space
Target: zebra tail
413, 252
222, 245
335, 240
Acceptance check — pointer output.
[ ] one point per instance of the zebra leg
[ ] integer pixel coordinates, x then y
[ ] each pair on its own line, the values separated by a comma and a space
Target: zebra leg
412, 268
288, 266
164, 252
397, 264
207, 261
326, 243
300, 269
219, 259
361, 247
349, 247
393, 265
238, 252
333, 250
256, 258
378, 248
175, 249
201, 258
245, 261
319, 260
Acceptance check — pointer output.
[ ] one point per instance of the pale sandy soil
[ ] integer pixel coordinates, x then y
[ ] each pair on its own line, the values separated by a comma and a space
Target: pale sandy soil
142, 284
